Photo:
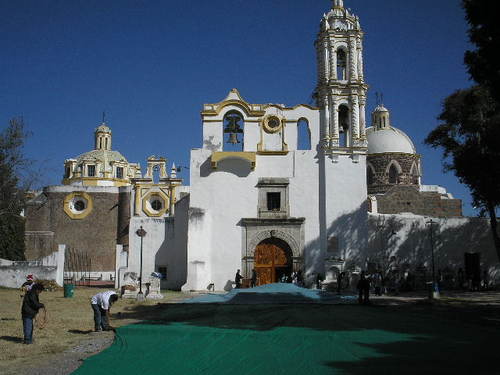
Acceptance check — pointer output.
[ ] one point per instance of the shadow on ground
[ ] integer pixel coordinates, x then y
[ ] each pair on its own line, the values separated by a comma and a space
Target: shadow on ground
11, 339
375, 339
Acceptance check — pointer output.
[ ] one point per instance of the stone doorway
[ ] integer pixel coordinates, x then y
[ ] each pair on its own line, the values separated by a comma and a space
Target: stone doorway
272, 260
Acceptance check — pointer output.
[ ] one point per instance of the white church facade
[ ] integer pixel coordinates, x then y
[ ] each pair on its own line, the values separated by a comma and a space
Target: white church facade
274, 189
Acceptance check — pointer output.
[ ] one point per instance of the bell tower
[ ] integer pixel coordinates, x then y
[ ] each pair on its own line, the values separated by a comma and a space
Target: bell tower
341, 89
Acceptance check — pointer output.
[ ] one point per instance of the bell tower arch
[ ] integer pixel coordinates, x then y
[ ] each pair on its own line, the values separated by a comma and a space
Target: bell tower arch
341, 85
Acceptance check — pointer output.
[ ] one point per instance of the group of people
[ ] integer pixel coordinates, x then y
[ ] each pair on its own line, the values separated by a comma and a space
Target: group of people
295, 278
100, 303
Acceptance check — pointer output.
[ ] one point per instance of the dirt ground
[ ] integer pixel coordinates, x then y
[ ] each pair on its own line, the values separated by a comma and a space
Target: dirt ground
68, 338
68, 335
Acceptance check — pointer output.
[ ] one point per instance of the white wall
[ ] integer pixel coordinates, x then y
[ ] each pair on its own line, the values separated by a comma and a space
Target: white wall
13, 274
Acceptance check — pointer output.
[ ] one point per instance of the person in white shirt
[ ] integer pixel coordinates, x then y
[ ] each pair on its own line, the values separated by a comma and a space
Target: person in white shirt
101, 304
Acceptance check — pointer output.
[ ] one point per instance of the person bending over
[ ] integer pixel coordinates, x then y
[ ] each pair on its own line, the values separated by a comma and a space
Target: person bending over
101, 305
30, 308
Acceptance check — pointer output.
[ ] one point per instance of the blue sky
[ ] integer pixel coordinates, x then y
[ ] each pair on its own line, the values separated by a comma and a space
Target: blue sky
152, 64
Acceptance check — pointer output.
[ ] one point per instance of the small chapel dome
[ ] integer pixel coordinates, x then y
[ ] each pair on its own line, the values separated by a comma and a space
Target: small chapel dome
384, 138
103, 128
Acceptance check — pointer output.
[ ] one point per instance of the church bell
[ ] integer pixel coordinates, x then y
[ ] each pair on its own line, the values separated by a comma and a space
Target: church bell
233, 138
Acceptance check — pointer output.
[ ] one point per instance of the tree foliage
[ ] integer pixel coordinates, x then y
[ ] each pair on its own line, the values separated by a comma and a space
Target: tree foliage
12, 190
484, 32
469, 132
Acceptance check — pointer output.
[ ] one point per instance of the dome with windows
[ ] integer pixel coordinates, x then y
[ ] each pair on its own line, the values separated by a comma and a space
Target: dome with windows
388, 140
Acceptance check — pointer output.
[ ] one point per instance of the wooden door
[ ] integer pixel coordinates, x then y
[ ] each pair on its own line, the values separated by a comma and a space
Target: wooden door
268, 259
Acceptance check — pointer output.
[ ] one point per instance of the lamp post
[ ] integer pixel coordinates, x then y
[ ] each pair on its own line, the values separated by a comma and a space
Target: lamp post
435, 291
141, 233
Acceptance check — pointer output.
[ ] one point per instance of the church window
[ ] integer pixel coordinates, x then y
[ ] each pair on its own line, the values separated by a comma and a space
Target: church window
343, 126
370, 176
341, 65
414, 175
100, 143
119, 172
273, 201
67, 172
233, 127
106, 141
91, 170
393, 175
156, 205
79, 205
303, 135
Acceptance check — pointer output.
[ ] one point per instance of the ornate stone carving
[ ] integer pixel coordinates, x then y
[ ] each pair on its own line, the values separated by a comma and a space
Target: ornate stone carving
263, 235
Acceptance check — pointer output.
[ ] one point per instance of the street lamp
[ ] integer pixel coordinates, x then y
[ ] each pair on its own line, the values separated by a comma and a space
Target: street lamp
435, 291
141, 233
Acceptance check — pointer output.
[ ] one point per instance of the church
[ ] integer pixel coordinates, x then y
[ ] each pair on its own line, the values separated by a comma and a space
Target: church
275, 189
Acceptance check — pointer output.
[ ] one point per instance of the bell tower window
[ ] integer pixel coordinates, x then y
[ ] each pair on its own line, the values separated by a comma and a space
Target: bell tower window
341, 65
343, 126
303, 135
233, 127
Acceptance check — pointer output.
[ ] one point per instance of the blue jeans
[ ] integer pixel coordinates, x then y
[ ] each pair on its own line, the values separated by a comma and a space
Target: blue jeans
28, 330
100, 318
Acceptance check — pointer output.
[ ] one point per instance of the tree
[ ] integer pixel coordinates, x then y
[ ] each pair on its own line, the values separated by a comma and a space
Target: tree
469, 136
12, 190
484, 32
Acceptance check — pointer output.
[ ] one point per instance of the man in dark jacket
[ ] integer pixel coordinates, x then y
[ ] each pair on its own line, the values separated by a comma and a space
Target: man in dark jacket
30, 308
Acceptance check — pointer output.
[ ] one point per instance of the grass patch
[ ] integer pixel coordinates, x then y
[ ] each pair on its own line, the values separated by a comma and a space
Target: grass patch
69, 322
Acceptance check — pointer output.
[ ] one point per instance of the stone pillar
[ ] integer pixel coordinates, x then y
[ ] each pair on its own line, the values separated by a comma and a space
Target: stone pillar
326, 62
333, 62
362, 117
355, 117
353, 60
360, 60
324, 121
335, 119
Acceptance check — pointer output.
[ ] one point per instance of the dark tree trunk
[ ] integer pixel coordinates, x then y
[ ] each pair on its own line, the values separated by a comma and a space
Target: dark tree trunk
494, 228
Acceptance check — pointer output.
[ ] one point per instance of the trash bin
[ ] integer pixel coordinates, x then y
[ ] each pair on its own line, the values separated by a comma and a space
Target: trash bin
68, 290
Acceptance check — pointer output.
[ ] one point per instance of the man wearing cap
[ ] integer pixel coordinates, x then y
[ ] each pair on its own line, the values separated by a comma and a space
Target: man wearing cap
30, 308
28, 284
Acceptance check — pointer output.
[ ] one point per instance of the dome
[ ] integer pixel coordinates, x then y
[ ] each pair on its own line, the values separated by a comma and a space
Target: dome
104, 156
103, 128
387, 140
380, 108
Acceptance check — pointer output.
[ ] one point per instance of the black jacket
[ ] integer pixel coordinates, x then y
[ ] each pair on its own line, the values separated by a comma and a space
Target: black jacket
31, 305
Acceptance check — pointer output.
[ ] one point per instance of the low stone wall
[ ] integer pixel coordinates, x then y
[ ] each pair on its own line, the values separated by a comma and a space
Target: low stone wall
13, 274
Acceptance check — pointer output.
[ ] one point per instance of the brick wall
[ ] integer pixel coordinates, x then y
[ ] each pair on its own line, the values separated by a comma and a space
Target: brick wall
96, 234
408, 199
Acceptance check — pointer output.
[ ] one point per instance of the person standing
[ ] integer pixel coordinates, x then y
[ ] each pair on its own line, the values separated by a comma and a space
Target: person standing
30, 308
237, 279
340, 277
101, 305
364, 289
253, 280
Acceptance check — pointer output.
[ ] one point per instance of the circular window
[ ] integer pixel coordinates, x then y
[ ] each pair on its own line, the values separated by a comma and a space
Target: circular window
156, 204
272, 124
79, 205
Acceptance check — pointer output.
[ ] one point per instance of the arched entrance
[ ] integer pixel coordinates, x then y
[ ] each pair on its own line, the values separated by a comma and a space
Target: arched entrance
272, 260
